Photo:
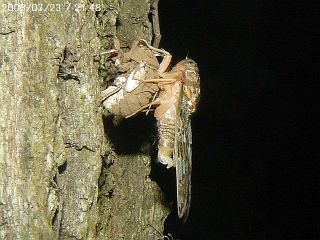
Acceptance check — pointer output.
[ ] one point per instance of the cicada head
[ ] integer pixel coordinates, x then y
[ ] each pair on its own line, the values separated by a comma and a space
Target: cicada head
191, 83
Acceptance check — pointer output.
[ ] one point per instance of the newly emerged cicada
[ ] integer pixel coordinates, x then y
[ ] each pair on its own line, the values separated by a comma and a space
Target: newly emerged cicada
174, 96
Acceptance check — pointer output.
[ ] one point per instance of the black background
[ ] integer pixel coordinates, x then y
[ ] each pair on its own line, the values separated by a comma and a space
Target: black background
254, 172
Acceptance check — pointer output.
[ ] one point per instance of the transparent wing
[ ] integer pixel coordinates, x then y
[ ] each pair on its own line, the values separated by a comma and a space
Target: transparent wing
182, 156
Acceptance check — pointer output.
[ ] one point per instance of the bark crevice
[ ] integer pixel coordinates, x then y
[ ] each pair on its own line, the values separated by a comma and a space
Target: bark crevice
60, 177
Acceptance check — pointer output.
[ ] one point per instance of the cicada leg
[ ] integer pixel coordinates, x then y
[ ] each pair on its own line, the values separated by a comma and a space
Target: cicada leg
106, 94
160, 52
166, 78
159, 80
116, 48
153, 99
155, 102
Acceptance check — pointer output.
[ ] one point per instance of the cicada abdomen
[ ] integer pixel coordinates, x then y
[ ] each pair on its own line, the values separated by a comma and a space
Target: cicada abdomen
165, 114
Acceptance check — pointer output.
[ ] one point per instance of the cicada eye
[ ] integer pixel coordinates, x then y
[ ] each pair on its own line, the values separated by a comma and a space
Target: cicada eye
191, 72
191, 75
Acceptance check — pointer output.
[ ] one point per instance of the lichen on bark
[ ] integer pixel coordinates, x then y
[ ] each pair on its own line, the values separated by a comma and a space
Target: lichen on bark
53, 144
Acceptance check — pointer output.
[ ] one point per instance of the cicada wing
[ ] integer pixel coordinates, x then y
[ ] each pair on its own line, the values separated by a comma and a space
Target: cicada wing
182, 155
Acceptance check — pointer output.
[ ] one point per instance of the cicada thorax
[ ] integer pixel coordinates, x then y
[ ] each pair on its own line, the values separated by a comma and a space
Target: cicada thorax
185, 88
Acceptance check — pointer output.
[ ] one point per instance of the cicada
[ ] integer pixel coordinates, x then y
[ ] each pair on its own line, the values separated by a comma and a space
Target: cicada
174, 98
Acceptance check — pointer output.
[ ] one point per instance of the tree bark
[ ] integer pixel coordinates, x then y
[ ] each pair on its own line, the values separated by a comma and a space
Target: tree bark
59, 175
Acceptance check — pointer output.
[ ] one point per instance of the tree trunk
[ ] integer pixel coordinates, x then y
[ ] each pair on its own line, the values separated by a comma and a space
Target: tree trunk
59, 175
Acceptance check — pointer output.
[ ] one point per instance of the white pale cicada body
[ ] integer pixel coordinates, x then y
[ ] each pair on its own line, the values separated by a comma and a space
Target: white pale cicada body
174, 96
178, 100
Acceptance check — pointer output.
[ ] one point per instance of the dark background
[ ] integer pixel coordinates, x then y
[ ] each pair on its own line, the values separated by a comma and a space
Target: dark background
254, 172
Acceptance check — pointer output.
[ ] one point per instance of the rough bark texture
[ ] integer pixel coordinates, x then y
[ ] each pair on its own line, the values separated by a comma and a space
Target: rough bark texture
59, 177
